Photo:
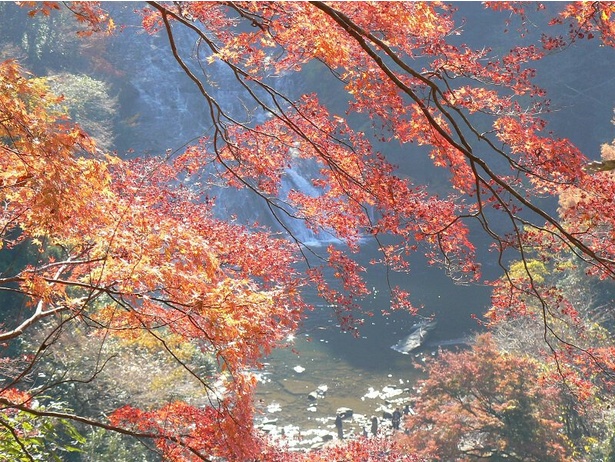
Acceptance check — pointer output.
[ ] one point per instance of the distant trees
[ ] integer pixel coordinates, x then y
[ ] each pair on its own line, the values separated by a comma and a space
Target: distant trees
89, 103
42, 42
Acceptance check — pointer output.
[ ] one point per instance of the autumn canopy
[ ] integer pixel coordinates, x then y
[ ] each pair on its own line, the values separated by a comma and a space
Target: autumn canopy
129, 251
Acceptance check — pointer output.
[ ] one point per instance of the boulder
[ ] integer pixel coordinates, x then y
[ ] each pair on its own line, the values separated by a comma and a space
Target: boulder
416, 338
345, 412
319, 393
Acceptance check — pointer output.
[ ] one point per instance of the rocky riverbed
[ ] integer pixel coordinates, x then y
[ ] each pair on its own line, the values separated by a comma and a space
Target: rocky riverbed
300, 396
322, 428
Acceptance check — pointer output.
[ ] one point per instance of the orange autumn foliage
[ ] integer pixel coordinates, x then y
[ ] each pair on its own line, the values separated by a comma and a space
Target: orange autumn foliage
486, 404
132, 247
121, 245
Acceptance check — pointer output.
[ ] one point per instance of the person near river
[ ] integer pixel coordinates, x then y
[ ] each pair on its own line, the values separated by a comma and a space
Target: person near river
374, 425
339, 426
396, 418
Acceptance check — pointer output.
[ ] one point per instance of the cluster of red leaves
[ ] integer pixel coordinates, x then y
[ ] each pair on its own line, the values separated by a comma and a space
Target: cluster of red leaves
586, 19
131, 233
586, 212
37, 166
186, 433
11, 395
484, 403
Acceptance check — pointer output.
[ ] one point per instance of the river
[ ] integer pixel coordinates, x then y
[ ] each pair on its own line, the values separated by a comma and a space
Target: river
361, 372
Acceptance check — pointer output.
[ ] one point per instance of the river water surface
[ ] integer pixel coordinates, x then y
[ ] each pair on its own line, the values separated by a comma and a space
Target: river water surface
361, 372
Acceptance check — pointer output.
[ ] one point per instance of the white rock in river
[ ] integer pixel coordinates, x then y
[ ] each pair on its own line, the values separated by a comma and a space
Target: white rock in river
274, 407
389, 392
269, 428
371, 394
419, 333
299, 369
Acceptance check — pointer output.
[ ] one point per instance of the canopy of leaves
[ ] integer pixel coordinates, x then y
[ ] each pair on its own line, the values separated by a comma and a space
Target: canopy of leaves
117, 252
134, 252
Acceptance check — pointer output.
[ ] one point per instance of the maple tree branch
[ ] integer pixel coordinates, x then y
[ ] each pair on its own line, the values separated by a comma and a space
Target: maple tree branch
216, 113
34, 359
39, 312
242, 76
52, 338
38, 315
358, 34
97, 424
211, 391
62, 264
